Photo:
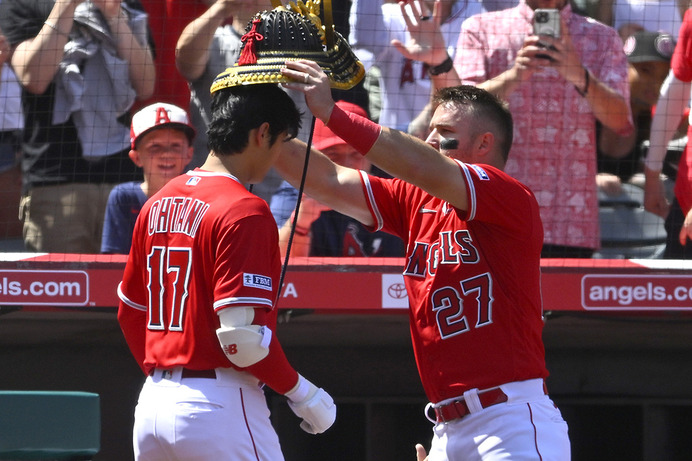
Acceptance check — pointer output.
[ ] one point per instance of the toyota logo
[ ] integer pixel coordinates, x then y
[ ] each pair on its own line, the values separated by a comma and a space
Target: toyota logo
397, 291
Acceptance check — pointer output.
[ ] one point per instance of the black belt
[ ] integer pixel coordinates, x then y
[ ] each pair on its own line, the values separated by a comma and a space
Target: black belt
188, 373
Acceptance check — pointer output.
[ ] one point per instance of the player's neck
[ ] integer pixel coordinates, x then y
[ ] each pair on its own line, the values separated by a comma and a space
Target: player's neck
234, 164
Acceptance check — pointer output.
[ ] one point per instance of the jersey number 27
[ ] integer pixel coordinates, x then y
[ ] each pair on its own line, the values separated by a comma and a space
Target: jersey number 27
448, 305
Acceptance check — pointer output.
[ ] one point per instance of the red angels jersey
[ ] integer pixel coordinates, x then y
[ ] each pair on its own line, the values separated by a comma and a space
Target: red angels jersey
203, 243
472, 277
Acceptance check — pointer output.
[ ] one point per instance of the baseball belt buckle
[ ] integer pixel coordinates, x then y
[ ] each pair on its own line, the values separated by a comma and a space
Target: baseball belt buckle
439, 415
451, 411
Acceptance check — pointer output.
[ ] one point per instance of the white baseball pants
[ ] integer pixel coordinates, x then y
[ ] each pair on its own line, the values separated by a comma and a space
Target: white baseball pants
528, 427
203, 419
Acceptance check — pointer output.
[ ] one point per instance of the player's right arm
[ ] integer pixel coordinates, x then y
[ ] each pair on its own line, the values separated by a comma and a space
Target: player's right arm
399, 154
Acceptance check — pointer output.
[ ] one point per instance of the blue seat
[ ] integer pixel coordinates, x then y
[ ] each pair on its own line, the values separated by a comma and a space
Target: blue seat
49, 425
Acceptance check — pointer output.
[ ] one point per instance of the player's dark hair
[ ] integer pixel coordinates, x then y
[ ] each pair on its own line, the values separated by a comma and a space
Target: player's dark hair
235, 111
490, 112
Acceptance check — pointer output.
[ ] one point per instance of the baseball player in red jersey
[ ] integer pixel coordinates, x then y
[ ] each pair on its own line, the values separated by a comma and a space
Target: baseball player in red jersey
198, 292
473, 236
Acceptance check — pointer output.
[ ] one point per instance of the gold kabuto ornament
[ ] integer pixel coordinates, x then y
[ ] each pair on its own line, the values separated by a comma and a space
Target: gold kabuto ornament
292, 33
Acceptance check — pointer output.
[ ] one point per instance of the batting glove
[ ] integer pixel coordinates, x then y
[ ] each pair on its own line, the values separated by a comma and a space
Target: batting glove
313, 405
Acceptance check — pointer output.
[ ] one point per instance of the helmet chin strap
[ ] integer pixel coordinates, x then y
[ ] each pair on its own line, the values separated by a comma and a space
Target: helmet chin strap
296, 211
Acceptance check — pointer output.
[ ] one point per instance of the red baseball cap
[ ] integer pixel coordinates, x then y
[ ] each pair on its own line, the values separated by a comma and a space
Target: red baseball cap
323, 137
160, 115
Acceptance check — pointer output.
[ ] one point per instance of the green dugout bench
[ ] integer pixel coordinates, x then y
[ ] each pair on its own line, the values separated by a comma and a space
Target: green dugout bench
49, 425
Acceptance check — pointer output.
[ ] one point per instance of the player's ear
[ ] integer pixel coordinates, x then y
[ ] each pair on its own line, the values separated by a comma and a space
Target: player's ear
263, 135
134, 156
484, 143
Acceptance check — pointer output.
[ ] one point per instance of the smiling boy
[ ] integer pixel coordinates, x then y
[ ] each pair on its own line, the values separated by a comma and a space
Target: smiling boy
161, 138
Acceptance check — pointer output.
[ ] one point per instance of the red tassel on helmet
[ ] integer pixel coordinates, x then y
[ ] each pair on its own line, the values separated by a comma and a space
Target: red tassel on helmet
248, 55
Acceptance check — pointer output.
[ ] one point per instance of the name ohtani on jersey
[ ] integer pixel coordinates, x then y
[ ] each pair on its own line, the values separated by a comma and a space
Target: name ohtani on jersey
176, 215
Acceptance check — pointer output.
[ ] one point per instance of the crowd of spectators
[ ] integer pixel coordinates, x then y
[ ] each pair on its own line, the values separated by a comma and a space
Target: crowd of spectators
73, 74
81, 67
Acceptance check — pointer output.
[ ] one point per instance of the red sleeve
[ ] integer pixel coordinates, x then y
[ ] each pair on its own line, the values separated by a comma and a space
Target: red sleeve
383, 199
497, 198
681, 62
274, 370
133, 324
234, 261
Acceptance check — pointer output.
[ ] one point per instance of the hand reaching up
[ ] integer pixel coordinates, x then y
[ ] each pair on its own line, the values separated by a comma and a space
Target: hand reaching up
427, 44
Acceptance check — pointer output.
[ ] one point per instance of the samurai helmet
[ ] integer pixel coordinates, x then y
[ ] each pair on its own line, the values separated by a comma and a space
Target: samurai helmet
292, 33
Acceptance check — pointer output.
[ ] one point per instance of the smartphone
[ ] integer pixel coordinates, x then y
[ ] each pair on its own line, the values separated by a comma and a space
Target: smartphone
546, 22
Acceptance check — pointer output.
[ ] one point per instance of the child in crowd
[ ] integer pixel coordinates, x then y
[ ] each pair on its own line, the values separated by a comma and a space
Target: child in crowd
161, 138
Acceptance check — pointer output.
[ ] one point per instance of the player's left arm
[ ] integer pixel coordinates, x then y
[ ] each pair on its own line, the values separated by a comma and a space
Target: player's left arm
503, 202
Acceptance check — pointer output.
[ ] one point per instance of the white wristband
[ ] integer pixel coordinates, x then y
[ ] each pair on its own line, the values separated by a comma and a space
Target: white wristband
300, 391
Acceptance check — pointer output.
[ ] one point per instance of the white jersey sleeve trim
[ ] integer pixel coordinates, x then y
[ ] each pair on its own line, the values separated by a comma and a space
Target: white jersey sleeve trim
128, 301
370, 198
471, 187
246, 301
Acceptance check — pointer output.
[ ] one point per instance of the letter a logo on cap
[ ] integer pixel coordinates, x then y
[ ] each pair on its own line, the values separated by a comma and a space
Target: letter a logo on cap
157, 115
162, 116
